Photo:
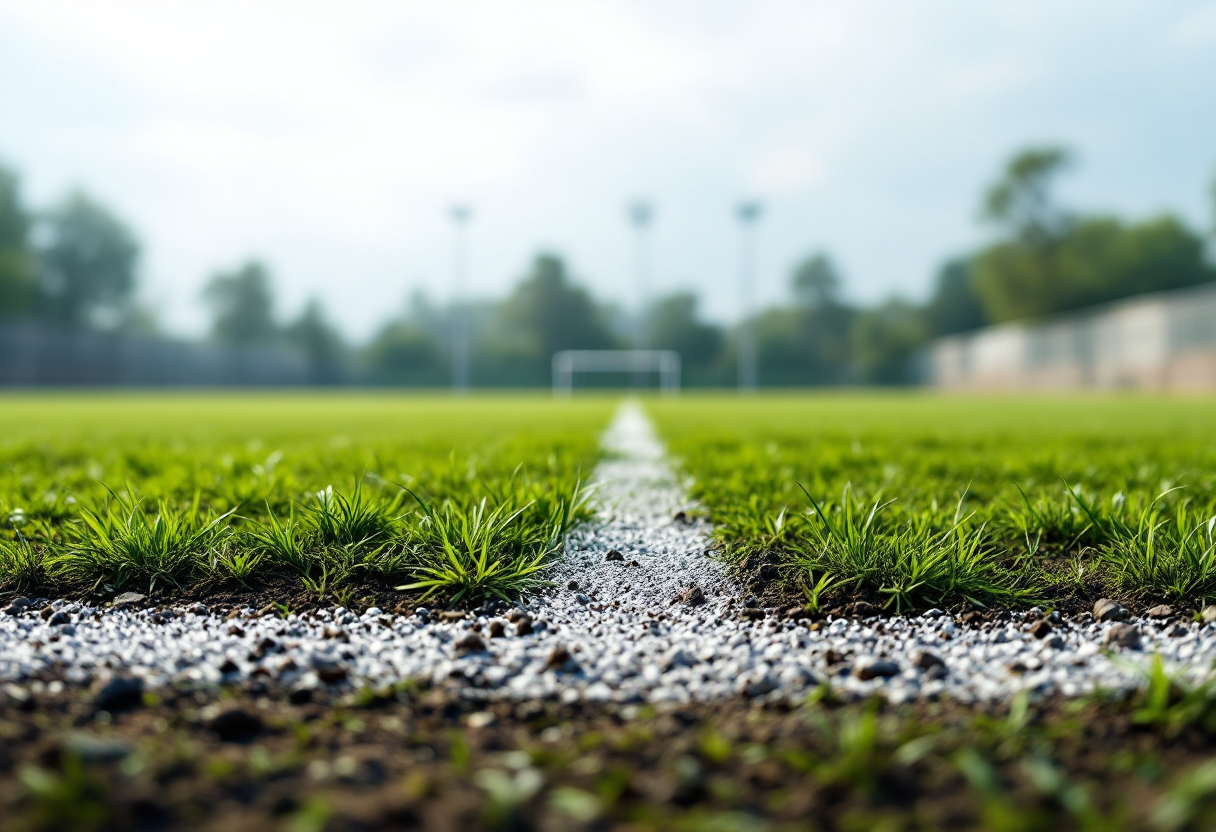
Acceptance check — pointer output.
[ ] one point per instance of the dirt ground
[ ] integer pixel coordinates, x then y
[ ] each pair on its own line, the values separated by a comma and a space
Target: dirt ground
249, 757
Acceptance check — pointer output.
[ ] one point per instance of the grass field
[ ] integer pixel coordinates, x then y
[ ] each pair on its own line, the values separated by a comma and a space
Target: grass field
465, 497
917, 500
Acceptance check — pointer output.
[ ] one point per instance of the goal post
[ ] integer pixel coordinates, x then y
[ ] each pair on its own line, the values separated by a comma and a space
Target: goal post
568, 362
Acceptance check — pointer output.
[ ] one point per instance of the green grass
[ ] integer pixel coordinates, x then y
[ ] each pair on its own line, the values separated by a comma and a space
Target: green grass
466, 498
917, 499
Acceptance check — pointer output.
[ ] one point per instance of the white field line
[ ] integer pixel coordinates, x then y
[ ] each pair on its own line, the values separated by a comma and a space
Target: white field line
626, 640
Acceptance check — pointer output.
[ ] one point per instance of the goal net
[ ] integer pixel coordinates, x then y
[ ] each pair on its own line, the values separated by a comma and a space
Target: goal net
569, 362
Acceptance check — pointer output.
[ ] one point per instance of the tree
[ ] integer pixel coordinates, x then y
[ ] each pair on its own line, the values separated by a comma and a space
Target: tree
954, 306
885, 342
553, 314
808, 342
87, 266
405, 352
1021, 199
674, 326
1099, 259
816, 282
242, 303
18, 284
320, 342
1051, 261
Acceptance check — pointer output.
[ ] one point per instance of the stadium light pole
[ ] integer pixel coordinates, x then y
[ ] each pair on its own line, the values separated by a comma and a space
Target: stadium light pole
749, 364
640, 215
461, 215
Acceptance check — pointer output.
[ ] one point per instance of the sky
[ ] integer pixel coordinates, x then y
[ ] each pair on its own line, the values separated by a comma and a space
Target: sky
330, 139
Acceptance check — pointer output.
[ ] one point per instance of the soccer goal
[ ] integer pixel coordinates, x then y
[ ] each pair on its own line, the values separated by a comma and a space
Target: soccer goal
568, 362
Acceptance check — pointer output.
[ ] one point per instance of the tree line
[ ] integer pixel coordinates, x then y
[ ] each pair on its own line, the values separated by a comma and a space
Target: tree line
75, 265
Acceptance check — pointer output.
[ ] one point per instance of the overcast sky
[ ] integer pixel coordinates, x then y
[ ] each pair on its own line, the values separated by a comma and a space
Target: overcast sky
330, 138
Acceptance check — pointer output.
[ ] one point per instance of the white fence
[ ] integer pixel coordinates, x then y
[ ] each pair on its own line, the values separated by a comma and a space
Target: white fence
1165, 341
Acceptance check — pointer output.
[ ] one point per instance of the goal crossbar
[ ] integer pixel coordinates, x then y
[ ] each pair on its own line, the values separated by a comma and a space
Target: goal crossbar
568, 362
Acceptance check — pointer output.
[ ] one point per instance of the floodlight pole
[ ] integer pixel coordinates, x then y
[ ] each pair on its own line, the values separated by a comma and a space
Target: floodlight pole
640, 215
460, 214
749, 364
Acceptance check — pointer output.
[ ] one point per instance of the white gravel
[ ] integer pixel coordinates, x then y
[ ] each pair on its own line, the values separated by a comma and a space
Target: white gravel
626, 640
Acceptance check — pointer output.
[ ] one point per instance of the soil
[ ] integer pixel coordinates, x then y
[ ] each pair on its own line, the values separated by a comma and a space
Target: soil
249, 757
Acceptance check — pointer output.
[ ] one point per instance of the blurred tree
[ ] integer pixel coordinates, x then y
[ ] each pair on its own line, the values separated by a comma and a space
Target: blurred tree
553, 314
18, 284
816, 282
87, 265
242, 303
808, 343
674, 326
954, 306
886, 340
1021, 199
1097, 260
1051, 261
405, 352
320, 342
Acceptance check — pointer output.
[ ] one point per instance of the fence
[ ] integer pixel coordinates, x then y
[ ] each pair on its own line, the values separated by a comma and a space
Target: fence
36, 354
1165, 341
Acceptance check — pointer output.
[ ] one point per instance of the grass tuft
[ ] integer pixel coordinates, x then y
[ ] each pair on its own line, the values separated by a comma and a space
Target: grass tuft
127, 544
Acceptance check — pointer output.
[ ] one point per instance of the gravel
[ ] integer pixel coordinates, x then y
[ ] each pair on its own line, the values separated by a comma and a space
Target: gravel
640, 612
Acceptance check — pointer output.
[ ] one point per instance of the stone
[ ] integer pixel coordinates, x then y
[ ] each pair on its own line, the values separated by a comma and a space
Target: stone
454, 615
572, 586
331, 673
498, 628
470, 642
692, 597
58, 619
229, 666
751, 614
795, 614
634, 563
235, 724
1160, 611
235, 630
1107, 610
1041, 628
1208, 614
581, 598
523, 626
1176, 631
759, 685
1055, 642
867, 669
680, 517
680, 658
128, 598
268, 610
18, 605
119, 693
1123, 635
515, 614
560, 659
925, 659
613, 554
198, 609
932, 613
